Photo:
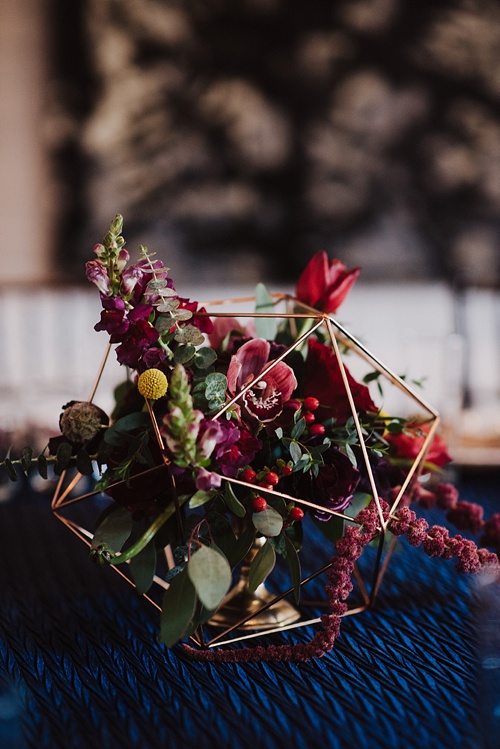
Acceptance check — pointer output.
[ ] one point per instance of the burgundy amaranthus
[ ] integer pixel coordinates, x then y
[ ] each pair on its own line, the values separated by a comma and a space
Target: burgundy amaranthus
465, 516
435, 541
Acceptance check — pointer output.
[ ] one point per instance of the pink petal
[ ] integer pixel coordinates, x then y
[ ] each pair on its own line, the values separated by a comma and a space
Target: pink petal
252, 357
283, 379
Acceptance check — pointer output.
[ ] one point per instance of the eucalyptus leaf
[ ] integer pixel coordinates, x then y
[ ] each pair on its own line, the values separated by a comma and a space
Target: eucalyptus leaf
178, 610
63, 456
184, 353
232, 501
114, 529
181, 314
294, 566
265, 327
41, 466
143, 567
10, 469
235, 548
298, 429
84, 463
210, 573
26, 457
262, 565
295, 451
205, 357
268, 522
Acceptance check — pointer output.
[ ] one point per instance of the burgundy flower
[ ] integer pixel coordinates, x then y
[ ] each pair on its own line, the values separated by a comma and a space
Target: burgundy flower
325, 284
323, 380
236, 448
113, 317
140, 337
333, 487
264, 401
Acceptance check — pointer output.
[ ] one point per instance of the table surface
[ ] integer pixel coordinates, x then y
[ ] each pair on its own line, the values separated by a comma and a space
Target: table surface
81, 666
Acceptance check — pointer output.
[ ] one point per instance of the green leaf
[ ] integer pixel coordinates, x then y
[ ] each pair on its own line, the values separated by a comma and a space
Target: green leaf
298, 429
265, 327
295, 452
268, 522
205, 357
200, 498
114, 529
178, 609
63, 456
232, 501
262, 566
41, 466
26, 456
143, 567
294, 566
134, 420
10, 469
210, 573
234, 549
350, 455
184, 353
83, 463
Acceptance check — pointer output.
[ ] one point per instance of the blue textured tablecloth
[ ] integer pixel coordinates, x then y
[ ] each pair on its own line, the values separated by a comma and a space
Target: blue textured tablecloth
81, 668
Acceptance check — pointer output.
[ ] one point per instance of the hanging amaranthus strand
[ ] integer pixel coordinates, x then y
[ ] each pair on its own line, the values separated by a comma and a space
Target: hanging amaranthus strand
435, 541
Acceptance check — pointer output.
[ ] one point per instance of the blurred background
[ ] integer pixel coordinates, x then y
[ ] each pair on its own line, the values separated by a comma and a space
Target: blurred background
238, 138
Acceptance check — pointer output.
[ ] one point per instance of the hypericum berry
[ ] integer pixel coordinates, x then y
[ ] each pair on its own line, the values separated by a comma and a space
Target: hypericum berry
317, 429
265, 485
259, 504
248, 475
309, 417
286, 470
311, 403
296, 513
272, 478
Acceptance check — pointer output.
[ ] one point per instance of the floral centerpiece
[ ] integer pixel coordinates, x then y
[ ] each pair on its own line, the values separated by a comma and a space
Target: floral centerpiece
229, 430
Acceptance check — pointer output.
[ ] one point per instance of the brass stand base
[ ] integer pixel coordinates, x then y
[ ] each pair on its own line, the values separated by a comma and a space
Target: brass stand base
240, 603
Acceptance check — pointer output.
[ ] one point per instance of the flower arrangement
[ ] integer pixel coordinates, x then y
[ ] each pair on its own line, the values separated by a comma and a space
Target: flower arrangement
229, 430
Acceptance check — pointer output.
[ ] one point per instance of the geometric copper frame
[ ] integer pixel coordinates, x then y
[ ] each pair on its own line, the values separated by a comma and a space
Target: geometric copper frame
339, 337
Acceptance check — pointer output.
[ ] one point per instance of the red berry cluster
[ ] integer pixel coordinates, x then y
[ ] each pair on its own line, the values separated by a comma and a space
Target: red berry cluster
310, 405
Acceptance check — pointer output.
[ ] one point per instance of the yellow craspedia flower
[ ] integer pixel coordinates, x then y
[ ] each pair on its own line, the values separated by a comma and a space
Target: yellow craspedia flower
152, 384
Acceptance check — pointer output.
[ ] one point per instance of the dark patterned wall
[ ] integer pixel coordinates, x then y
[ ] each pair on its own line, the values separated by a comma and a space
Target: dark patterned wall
229, 130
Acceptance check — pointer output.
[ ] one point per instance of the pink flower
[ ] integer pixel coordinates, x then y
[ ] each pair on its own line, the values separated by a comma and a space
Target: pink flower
325, 284
264, 400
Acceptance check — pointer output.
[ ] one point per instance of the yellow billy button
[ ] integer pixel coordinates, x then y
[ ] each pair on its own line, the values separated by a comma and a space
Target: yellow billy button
152, 384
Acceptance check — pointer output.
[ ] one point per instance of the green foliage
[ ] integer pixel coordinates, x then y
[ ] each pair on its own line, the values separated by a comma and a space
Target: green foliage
265, 327
178, 610
113, 529
210, 573
268, 522
143, 566
261, 566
